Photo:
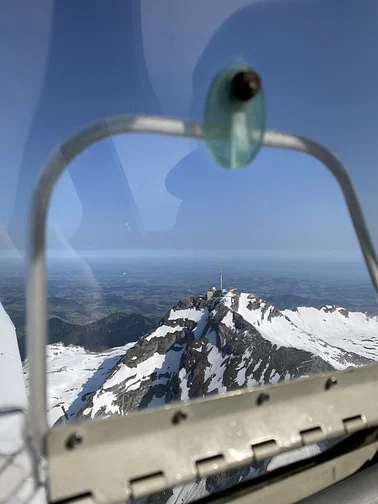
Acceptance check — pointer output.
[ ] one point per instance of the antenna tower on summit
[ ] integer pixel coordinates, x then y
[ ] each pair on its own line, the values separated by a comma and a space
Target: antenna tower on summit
220, 278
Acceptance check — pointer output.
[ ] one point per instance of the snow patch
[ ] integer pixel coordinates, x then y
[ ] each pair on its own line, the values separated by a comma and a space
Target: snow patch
162, 331
190, 314
183, 376
228, 320
73, 374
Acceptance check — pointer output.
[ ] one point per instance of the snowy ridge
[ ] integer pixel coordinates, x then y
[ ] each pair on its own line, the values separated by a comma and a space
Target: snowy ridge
328, 332
12, 386
352, 331
73, 375
233, 341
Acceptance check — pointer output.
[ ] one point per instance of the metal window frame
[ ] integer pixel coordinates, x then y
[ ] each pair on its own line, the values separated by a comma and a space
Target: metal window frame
48, 443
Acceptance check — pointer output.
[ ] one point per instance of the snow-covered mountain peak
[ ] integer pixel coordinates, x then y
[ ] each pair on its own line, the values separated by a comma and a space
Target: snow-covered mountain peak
232, 340
205, 346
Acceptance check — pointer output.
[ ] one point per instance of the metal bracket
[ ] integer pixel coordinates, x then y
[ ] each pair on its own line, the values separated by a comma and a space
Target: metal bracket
145, 452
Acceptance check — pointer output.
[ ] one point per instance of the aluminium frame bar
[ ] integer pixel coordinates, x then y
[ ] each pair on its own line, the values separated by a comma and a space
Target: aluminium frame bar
36, 302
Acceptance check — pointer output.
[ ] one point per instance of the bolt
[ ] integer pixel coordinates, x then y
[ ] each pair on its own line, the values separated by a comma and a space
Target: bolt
74, 440
178, 417
331, 382
262, 398
245, 85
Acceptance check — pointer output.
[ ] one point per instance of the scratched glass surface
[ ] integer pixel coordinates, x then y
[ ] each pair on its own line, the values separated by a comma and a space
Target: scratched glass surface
170, 277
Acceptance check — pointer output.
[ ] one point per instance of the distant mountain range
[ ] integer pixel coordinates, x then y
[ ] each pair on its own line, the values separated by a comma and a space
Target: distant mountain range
113, 331
202, 347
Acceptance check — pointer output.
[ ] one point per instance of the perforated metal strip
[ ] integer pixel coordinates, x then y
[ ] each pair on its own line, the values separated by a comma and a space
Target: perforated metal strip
145, 452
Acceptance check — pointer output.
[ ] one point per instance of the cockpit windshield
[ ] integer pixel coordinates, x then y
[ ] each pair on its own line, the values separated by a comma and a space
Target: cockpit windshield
169, 277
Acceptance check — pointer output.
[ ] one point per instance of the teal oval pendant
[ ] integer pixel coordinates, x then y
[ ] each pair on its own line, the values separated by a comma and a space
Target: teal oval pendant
234, 122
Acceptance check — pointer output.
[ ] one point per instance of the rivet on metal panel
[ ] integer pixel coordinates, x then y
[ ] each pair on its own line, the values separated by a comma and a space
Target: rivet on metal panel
179, 417
262, 398
331, 382
74, 440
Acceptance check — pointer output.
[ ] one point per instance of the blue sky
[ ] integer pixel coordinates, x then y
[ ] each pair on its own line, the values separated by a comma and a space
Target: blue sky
70, 62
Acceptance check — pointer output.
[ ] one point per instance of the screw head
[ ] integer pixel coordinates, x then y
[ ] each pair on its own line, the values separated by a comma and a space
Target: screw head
179, 417
262, 398
245, 85
331, 382
74, 440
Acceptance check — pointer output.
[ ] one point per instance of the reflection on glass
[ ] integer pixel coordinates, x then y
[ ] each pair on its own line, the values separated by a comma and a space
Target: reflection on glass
141, 226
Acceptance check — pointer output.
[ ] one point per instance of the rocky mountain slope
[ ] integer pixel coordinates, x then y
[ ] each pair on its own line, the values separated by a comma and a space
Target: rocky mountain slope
237, 340
109, 332
73, 375
112, 331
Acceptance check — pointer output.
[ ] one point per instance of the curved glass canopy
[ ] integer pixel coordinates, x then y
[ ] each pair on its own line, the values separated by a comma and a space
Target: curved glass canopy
310, 89
178, 276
